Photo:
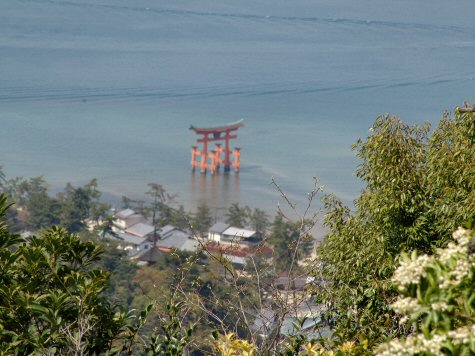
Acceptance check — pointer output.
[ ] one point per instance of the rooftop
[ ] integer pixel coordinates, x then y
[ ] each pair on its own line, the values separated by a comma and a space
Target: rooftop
179, 240
165, 230
219, 228
124, 214
140, 229
130, 239
152, 255
237, 260
238, 232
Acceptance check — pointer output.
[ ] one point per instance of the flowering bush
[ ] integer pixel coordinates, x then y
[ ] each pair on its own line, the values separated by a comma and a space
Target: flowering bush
230, 345
437, 300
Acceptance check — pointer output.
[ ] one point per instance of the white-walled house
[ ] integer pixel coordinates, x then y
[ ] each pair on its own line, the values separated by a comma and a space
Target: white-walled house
172, 237
236, 234
133, 244
226, 234
215, 232
133, 232
129, 222
126, 218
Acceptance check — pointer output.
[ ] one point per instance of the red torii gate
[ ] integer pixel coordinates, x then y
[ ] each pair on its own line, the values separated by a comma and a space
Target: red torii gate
211, 134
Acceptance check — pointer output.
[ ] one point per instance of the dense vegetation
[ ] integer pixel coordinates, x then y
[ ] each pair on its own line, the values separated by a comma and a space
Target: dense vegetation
395, 274
419, 189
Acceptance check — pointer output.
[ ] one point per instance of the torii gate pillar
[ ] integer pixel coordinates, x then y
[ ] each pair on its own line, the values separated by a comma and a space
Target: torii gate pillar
213, 134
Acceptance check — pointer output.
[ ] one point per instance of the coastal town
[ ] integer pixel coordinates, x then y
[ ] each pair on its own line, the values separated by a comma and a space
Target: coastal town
237, 178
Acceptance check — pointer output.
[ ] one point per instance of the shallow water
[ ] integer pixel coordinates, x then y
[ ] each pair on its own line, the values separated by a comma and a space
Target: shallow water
108, 89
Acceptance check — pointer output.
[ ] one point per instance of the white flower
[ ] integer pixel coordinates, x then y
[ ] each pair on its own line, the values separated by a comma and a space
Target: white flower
451, 251
410, 271
403, 320
459, 272
462, 335
405, 305
440, 306
462, 236
413, 344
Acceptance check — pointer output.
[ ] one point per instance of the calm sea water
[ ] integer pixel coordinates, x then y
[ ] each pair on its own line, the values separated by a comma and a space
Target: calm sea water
109, 88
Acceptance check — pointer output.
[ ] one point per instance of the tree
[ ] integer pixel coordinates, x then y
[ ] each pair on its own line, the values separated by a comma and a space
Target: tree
127, 203
237, 216
11, 215
202, 219
16, 190
436, 300
3, 180
180, 218
106, 228
51, 299
42, 211
158, 210
80, 204
284, 236
259, 220
97, 208
419, 187
75, 205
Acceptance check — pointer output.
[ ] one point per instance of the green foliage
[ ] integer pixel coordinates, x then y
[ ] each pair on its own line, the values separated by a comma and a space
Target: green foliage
159, 209
122, 288
106, 228
173, 337
419, 187
54, 298
50, 297
230, 345
38, 210
437, 301
42, 210
203, 219
259, 220
180, 218
75, 208
79, 204
237, 216
3, 180
127, 203
290, 240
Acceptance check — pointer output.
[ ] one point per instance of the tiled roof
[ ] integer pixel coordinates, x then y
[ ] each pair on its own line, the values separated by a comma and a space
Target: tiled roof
130, 239
238, 260
125, 213
238, 233
165, 230
151, 255
140, 229
218, 228
179, 240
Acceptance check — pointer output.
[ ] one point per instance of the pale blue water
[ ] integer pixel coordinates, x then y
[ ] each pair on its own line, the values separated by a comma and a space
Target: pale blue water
108, 88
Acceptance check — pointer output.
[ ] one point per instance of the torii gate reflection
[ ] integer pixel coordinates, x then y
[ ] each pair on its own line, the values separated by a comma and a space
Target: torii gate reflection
212, 134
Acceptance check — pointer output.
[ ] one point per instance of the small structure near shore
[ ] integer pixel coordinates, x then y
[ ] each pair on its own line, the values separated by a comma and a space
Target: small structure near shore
212, 160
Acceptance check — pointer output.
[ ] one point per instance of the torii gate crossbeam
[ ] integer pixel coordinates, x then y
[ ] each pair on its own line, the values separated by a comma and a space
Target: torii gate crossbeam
213, 134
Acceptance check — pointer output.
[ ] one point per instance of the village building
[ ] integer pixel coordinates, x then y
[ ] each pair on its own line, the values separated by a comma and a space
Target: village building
149, 257
215, 232
131, 243
173, 238
227, 234
127, 218
236, 244
132, 231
